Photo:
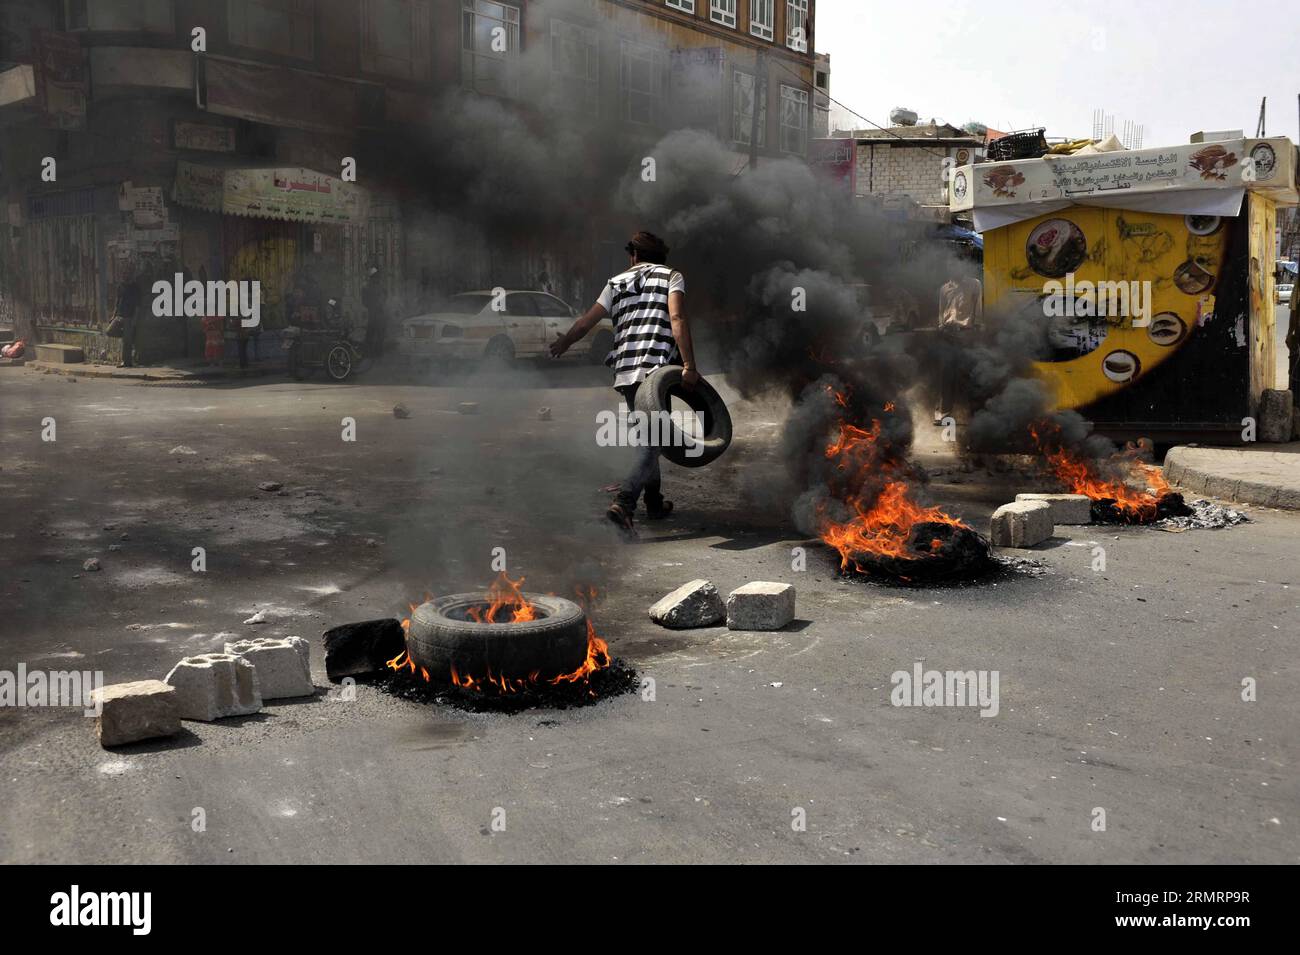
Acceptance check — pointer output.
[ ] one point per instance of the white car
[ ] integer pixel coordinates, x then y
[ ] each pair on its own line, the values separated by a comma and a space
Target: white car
477, 325
1284, 293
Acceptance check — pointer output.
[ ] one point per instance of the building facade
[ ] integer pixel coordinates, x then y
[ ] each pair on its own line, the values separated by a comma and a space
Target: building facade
907, 165
212, 137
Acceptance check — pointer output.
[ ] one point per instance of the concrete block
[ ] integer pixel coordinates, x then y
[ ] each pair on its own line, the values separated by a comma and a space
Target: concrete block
760, 605
1021, 524
696, 604
215, 685
60, 354
145, 709
1066, 508
1275, 413
283, 665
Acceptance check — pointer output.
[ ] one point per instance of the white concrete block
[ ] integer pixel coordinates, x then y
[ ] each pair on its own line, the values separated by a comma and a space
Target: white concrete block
130, 712
760, 605
283, 665
1066, 508
1021, 524
215, 685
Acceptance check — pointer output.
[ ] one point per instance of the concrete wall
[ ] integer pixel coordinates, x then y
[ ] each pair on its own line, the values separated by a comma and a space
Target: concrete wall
897, 169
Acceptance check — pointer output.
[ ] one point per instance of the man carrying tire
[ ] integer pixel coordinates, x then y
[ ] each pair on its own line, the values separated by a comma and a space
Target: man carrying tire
647, 306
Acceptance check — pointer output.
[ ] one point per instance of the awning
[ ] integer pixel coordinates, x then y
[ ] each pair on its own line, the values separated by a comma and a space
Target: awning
1192, 179
287, 193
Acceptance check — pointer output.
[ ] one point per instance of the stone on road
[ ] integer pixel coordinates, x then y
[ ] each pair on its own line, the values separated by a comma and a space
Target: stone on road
696, 604
760, 605
131, 712
1021, 524
1066, 508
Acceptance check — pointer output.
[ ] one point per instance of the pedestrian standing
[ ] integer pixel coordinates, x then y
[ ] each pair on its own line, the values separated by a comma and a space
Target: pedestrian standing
372, 297
961, 305
126, 306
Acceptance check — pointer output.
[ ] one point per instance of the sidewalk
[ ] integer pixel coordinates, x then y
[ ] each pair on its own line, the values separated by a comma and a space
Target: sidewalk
195, 373
1266, 474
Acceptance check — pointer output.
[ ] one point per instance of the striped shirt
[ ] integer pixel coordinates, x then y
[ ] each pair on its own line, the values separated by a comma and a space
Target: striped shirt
637, 302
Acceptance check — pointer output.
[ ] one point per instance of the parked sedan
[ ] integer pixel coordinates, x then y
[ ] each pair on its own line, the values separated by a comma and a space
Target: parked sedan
497, 327
1284, 293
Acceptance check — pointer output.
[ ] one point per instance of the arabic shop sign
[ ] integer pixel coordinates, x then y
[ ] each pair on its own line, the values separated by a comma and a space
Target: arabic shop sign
287, 193
1094, 176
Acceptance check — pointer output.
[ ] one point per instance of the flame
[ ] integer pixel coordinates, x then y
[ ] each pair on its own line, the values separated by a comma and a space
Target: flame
1080, 476
505, 592
882, 522
502, 593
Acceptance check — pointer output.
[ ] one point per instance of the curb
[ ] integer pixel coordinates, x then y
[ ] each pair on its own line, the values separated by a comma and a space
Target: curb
170, 375
1187, 469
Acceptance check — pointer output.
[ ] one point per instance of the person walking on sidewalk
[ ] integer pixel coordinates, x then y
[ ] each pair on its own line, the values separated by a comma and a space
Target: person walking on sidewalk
647, 304
126, 306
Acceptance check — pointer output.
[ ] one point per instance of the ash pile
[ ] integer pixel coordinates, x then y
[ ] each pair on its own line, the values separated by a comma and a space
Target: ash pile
1203, 515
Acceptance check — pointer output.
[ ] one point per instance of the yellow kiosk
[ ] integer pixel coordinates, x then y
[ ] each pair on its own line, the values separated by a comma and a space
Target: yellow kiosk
1153, 271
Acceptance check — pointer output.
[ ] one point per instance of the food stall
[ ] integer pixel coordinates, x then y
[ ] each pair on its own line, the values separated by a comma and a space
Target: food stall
1153, 270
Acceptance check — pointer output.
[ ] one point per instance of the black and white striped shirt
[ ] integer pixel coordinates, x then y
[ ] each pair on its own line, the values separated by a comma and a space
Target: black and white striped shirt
637, 302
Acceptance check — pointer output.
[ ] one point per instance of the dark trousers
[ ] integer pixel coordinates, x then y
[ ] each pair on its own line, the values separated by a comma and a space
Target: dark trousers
128, 341
644, 475
952, 367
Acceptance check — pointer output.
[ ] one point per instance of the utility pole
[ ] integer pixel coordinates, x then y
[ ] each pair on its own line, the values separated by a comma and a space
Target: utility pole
760, 96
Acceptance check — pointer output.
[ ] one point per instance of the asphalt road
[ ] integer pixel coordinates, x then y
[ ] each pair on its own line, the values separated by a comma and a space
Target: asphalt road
1120, 689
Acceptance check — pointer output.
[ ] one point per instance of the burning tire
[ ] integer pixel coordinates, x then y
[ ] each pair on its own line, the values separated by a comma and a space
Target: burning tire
654, 399
444, 635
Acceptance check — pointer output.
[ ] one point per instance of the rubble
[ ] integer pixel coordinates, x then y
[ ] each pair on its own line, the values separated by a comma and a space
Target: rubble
1204, 515
760, 605
130, 712
360, 649
92, 564
468, 407
543, 414
259, 617
270, 486
1066, 508
695, 604
283, 665
1021, 524
401, 411
215, 685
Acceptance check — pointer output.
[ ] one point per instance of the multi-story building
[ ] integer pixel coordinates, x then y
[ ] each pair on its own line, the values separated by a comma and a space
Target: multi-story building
212, 137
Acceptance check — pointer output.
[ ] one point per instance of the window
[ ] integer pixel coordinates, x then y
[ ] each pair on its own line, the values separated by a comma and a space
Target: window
520, 304
762, 18
742, 109
575, 66
154, 16
489, 47
686, 6
643, 80
395, 38
796, 25
550, 307
794, 120
286, 27
723, 11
